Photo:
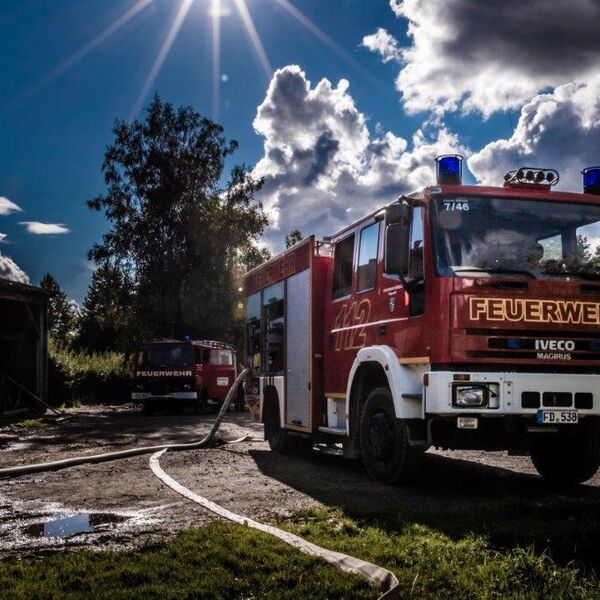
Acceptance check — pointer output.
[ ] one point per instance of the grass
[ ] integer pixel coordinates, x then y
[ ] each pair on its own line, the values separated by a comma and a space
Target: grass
30, 424
219, 561
432, 564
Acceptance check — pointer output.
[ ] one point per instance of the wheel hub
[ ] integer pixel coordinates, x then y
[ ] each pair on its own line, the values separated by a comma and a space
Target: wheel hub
381, 435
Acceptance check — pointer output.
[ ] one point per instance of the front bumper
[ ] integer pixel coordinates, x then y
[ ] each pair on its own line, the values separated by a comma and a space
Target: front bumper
553, 390
144, 396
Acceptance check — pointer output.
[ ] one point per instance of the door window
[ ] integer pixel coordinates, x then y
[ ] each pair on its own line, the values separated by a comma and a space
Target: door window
342, 268
367, 258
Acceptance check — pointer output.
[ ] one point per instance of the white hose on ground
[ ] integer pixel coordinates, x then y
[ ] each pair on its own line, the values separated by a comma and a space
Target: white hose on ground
385, 580
107, 456
381, 578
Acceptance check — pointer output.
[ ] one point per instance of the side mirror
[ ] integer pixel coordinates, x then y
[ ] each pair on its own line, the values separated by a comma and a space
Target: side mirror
396, 249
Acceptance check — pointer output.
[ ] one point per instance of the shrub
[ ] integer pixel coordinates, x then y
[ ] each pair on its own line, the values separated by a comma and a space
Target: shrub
77, 377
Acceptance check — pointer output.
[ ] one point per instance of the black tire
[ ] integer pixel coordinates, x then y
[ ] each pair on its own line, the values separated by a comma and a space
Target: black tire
384, 441
569, 458
280, 440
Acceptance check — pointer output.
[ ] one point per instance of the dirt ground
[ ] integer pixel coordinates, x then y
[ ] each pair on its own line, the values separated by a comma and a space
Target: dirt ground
127, 504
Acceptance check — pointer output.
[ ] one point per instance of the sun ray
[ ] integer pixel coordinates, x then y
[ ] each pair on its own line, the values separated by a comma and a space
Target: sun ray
162, 54
321, 35
254, 37
216, 58
80, 54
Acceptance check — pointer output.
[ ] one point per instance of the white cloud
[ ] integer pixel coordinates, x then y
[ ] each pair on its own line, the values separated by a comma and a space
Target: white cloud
38, 228
558, 130
384, 44
10, 270
322, 167
488, 56
2, 237
8, 207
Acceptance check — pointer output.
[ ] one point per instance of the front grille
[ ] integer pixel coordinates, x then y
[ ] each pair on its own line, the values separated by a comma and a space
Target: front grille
557, 399
526, 344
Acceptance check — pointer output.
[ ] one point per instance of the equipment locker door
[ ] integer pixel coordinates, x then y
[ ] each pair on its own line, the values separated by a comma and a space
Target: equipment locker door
298, 333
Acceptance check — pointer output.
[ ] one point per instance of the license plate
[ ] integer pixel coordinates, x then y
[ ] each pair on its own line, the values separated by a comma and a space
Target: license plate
222, 380
557, 417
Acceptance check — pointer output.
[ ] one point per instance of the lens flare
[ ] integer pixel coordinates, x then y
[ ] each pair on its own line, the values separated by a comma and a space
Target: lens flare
216, 14
162, 55
254, 37
78, 56
322, 36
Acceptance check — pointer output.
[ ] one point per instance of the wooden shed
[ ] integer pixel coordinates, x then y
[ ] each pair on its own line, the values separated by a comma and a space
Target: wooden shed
23, 348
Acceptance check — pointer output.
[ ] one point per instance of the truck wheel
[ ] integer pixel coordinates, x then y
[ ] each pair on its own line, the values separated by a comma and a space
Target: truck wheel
280, 440
384, 441
567, 459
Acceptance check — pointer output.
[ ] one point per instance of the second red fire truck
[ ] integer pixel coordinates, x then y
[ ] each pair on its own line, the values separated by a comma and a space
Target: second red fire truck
460, 317
188, 374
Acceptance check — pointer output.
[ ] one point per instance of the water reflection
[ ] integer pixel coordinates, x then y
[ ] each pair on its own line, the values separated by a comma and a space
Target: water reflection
72, 525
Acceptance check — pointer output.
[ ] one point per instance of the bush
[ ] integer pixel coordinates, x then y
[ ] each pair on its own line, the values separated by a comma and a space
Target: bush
76, 377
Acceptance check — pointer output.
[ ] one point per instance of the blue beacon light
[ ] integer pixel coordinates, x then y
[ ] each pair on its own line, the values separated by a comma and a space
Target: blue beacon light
591, 180
449, 169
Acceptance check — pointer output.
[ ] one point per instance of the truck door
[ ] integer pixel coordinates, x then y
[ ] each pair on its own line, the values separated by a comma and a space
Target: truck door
403, 281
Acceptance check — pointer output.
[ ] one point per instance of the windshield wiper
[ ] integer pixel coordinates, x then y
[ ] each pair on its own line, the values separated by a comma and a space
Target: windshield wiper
500, 270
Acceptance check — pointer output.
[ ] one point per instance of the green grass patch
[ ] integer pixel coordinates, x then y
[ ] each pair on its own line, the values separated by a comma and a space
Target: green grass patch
219, 561
432, 564
30, 424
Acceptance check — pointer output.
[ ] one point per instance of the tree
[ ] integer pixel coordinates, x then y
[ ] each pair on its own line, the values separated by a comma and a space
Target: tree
62, 314
107, 322
175, 231
293, 237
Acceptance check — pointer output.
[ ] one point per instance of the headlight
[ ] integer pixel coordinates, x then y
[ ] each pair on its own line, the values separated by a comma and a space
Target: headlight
470, 396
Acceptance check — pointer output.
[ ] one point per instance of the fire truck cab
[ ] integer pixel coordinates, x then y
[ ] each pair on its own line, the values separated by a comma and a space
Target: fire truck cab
458, 317
191, 374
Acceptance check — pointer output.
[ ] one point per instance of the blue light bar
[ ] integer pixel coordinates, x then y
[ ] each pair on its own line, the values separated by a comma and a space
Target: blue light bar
449, 169
591, 180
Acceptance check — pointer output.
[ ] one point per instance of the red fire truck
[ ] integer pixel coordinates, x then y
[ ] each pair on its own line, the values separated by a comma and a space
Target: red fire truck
458, 317
191, 374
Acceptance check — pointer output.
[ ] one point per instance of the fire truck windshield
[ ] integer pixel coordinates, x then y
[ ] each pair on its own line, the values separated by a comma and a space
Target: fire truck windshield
475, 236
165, 355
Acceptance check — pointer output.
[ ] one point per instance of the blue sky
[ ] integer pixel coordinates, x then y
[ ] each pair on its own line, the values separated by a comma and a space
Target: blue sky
62, 86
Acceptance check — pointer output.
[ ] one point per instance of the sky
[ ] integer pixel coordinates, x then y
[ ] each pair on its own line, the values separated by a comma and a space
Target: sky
341, 105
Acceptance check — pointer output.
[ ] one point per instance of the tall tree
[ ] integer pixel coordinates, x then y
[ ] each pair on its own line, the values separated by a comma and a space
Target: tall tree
62, 314
175, 229
107, 322
293, 237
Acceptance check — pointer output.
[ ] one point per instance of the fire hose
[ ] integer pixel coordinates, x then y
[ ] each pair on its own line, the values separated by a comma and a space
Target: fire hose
381, 578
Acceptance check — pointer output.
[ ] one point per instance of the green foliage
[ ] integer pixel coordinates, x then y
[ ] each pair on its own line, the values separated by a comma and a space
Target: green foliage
76, 376
432, 564
62, 316
293, 237
219, 561
107, 318
175, 234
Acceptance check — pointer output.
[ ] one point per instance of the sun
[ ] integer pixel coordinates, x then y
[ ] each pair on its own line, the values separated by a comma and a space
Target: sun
216, 10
